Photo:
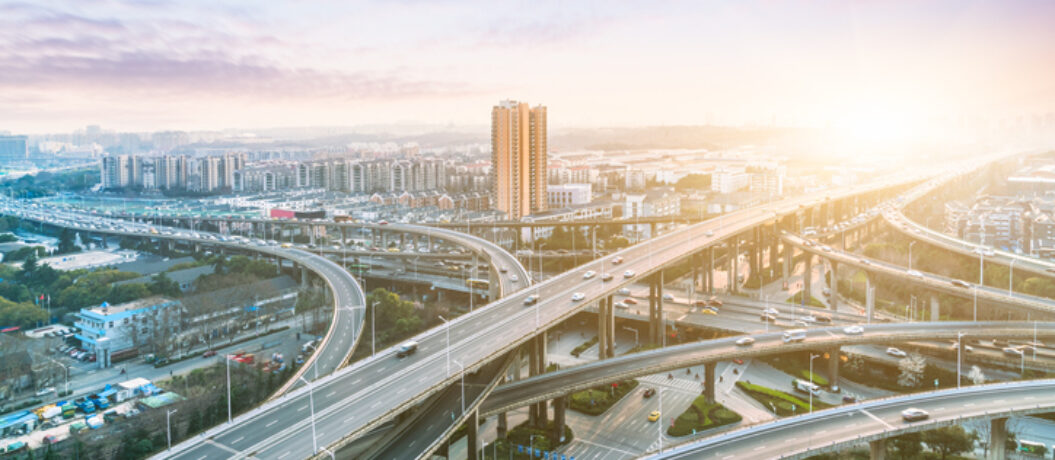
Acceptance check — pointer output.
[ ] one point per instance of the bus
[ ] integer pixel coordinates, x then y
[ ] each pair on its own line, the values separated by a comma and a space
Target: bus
358, 268
477, 284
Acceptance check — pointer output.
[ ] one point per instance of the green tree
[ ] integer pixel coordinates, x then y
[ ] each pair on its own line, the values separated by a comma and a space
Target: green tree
949, 440
908, 446
161, 284
67, 242
21, 314
30, 264
396, 318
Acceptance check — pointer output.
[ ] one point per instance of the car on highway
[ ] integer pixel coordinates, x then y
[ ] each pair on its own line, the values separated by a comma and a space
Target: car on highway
708, 311
653, 416
630, 301
853, 330
794, 335
770, 311
745, 341
738, 361
826, 248
766, 317
514, 278
503, 269
865, 261
913, 414
577, 296
1012, 351
622, 305
406, 349
531, 299
896, 352
208, 353
589, 274
623, 291
668, 297
606, 277
708, 233
649, 392
45, 391
617, 260
914, 273
961, 283
629, 274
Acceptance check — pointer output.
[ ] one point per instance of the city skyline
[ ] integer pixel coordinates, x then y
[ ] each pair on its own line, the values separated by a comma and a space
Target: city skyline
872, 69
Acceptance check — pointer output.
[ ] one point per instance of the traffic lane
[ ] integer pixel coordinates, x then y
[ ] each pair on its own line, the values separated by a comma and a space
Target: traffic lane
828, 428
723, 349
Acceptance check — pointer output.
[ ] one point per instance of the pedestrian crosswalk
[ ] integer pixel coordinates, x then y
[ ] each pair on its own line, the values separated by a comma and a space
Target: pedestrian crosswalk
680, 382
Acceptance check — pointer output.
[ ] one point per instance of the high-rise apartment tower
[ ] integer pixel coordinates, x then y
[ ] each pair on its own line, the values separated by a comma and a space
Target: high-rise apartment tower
518, 159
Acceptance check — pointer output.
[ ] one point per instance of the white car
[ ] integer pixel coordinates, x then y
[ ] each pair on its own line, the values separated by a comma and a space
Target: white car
709, 233
745, 341
589, 274
897, 353
915, 273
514, 278
622, 305
624, 291
770, 311
628, 274
1011, 351
577, 296
853, 330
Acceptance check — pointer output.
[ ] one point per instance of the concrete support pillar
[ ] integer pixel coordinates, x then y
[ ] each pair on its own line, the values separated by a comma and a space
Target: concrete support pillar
833, 300
602, 329
753, 255
609, 323
710, 271
472, 426
559, 406
935, 311
311, 233
734, 263
789, 252
807, 277
774, 248
877, 449
303, 275
655, 309
997, 439
538, 367
708, 383
833, 367
503, 426
870, 299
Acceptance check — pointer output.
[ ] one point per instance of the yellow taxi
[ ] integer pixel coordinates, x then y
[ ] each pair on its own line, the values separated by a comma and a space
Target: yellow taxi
653, 416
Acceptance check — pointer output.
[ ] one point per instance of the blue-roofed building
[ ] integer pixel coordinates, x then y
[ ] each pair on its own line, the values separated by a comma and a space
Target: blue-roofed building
17, 423
108, 329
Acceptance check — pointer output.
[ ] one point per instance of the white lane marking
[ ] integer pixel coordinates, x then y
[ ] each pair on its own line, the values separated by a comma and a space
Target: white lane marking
271, 423
302, 408
889, 426
210, 441
284, 454
236, 440
968, 405
330, 394
357, 381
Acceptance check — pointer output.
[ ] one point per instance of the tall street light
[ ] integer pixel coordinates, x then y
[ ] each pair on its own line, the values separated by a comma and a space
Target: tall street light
959, 347
448, 323
1011, 278
168, 425
812, 356
228, 357
311, 401
462, 385
910, 254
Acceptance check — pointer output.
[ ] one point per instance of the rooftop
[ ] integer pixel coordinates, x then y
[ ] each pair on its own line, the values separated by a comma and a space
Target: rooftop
105, 309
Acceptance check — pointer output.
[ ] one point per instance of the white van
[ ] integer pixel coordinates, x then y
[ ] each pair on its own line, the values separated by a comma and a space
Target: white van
794, 335
407, 349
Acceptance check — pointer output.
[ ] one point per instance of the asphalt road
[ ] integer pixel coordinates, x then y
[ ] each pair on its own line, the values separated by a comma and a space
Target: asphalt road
854, 424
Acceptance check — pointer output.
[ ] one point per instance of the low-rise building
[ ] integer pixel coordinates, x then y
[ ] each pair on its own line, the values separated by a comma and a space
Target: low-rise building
108, 330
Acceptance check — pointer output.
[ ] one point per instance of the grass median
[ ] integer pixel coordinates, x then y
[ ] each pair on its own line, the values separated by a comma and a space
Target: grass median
702, 415
779, 402
598, 399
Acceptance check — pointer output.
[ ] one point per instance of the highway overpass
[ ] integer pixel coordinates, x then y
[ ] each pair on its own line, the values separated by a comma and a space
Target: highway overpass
874, 421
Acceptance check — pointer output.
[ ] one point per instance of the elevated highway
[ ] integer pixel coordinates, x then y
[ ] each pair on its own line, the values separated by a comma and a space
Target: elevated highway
874, 421
373, 391
931, 282
553, 384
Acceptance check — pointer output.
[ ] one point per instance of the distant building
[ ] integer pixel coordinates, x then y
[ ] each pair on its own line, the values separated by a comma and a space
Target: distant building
562, 196
729, 181
107, 330
1032, 180
13, 148
518, 159
659, 201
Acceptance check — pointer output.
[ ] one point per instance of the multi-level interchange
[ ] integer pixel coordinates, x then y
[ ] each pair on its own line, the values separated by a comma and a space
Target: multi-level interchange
367, 398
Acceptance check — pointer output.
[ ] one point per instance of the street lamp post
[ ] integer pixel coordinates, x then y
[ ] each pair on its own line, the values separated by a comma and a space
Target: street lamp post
228, 358
959, 346
812, 356
981, 269
1011, 278
311, 402
462, 385
448, 323
910, 255
659, 425
975, 303
168, 425
373, 335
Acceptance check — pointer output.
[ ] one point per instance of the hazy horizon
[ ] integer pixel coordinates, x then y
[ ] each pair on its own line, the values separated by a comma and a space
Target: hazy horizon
155, 64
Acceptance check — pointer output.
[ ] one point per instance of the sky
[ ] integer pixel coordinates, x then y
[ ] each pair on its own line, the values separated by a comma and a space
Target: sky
144, 65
